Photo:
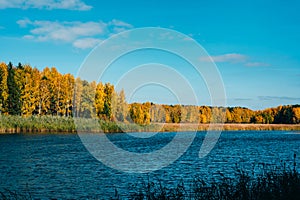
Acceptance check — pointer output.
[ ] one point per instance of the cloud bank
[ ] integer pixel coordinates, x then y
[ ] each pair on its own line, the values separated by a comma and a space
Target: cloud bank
233, 58
45, 4
271, 98
230, 57
81, 35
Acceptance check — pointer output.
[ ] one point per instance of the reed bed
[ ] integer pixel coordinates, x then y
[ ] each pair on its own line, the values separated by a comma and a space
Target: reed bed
55, 124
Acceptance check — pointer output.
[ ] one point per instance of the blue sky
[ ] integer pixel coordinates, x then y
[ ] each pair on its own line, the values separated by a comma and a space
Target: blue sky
255, 44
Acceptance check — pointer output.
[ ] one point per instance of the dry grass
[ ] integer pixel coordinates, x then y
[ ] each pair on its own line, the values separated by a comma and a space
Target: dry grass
229, 127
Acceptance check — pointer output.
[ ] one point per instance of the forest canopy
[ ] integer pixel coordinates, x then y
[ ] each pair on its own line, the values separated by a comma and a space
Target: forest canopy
27, 91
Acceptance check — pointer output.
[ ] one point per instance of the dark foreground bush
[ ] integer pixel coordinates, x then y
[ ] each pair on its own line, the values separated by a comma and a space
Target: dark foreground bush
276, 183
13, 195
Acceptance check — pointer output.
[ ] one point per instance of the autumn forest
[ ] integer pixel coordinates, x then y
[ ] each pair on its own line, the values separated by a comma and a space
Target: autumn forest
26, 91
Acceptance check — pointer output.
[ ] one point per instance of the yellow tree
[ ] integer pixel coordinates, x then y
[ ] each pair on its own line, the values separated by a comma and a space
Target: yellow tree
121, 110
157, 113
215, 111
26, 107
228, 116
109, 98
146, 112
167, 109
296, 115
66, 94
236, 114
136, 113
87, 104
3, 88
205, 114
99, 100
78, 89
44, 94
258, 119
175, 113
269, 115
29, 93
184, 114
35, 81
192, 114
114, 105
55, 87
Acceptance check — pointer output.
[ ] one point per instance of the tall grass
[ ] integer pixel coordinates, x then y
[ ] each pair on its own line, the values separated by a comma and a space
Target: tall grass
18, 124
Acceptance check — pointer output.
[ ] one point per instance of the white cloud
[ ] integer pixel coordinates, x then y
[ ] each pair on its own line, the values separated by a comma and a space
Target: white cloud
117, 26
234, 58
230, 57
81, 34
257, 64
62, 31
281, 98
45, 4
86, 43
24, 22
119, 23
28, 37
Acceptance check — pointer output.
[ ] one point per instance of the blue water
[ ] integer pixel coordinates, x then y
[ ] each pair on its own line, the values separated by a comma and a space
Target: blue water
59, 166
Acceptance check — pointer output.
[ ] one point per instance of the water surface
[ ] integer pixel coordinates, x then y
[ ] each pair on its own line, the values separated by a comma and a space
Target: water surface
59, 166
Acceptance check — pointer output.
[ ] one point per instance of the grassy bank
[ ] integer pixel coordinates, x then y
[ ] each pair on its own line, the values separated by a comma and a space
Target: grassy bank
18, 124
45, 124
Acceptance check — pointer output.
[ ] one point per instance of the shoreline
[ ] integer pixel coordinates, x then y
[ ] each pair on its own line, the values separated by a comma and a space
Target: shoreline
161, 127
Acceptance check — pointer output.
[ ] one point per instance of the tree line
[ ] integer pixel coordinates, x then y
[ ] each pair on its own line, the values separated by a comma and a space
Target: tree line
27, 91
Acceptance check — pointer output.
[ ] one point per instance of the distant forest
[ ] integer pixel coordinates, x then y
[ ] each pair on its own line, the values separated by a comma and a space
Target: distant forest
27, 91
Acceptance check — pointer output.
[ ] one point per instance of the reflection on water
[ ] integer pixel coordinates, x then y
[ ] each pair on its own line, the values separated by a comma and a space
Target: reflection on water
58, 165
